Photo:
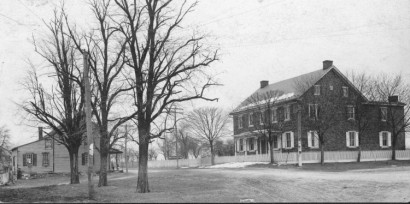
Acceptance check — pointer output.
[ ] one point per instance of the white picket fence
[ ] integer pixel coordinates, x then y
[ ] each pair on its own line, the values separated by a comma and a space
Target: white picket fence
287, 158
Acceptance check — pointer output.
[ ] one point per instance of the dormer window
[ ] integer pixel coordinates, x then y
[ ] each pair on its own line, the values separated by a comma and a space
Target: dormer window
317, 90
345, 91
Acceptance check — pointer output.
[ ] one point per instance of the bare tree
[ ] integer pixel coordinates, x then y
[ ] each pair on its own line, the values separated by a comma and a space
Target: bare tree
4, 137
272, 126
195, 146
398, 113
152, 154
169, 66
106, 46
59, 105
209, 124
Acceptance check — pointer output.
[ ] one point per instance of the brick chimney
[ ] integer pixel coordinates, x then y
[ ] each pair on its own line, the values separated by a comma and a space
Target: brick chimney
40, 133
264, 83
327, 64
393, 99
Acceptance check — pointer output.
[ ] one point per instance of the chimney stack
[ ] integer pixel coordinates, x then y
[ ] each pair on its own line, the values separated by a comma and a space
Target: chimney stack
393, 99
40, 133
264, 83
327, 64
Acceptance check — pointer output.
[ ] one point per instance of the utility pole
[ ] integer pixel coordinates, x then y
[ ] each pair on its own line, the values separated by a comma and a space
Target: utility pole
126, 154
90, 154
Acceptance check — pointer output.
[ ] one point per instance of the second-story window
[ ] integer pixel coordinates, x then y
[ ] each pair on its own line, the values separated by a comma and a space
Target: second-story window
250, 120
274, 115
383, 113
261, 117
47, 143
287, 113
345, 91
240, 121
313, 111
350, 113
317, 90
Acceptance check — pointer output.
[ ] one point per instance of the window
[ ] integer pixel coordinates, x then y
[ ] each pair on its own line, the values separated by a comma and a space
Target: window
287, 113
383, 113
29, 159
313, 139
331, 87
84, 159
385, 139
352, 139
317, 90
350, 113
345, 91
274, 115
251, 144
46, 161
261, 117
47, 143
313, 111
287, 140
250, 119
240, 121
276, 142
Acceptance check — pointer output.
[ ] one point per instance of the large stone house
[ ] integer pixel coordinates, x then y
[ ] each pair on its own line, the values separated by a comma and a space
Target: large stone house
47, 155
314, 93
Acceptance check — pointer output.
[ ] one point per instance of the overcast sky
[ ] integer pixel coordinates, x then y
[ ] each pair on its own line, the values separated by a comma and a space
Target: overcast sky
259, 40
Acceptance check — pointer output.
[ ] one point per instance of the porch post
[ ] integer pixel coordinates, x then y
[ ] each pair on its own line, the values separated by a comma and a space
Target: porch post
236, 145
257, 146
245, 142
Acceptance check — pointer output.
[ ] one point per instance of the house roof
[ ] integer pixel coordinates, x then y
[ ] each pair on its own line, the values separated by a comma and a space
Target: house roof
287, 89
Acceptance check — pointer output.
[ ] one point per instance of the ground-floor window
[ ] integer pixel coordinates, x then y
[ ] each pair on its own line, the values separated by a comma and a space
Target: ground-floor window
240, 144
251, 144
352, 139
287, 140
313, 139
29, 159
385, 139
46, 160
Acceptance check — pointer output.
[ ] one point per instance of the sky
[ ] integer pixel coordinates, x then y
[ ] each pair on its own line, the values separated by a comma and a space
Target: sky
258, 40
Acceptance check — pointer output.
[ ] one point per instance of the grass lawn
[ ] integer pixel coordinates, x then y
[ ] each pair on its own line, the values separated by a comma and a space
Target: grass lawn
365, 182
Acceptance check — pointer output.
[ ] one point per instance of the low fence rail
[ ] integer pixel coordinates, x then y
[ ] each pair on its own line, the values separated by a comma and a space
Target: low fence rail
285, 158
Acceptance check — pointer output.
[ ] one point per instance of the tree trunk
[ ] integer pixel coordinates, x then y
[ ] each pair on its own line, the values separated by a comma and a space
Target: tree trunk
212, 153
142, 183
322, 154
393, 148
74, 174
359, 156
272, 160
103, 169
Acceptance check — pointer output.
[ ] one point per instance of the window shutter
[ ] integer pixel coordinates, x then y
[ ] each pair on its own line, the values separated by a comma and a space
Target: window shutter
389, 139
24, 159
279, 141
381, 139
309, 136
356, 139
284, 140
292, 143
34, 159
347, 139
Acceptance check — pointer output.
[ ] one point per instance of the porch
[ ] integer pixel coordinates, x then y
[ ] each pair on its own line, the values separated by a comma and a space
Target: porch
255, 143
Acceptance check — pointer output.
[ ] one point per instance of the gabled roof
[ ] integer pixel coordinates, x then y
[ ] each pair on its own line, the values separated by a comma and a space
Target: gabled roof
292, 88
288, 88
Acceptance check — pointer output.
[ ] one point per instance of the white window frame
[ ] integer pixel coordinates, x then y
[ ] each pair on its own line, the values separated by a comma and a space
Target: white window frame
251, 141
381, 138
350, 107
274, 115
285, 140
317, 90
316, 110
331, 87
250, 119
240, 145
240, 122
278, 143
345, 90
286, 112
356, 139
383, 109
261, 117
315, 139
